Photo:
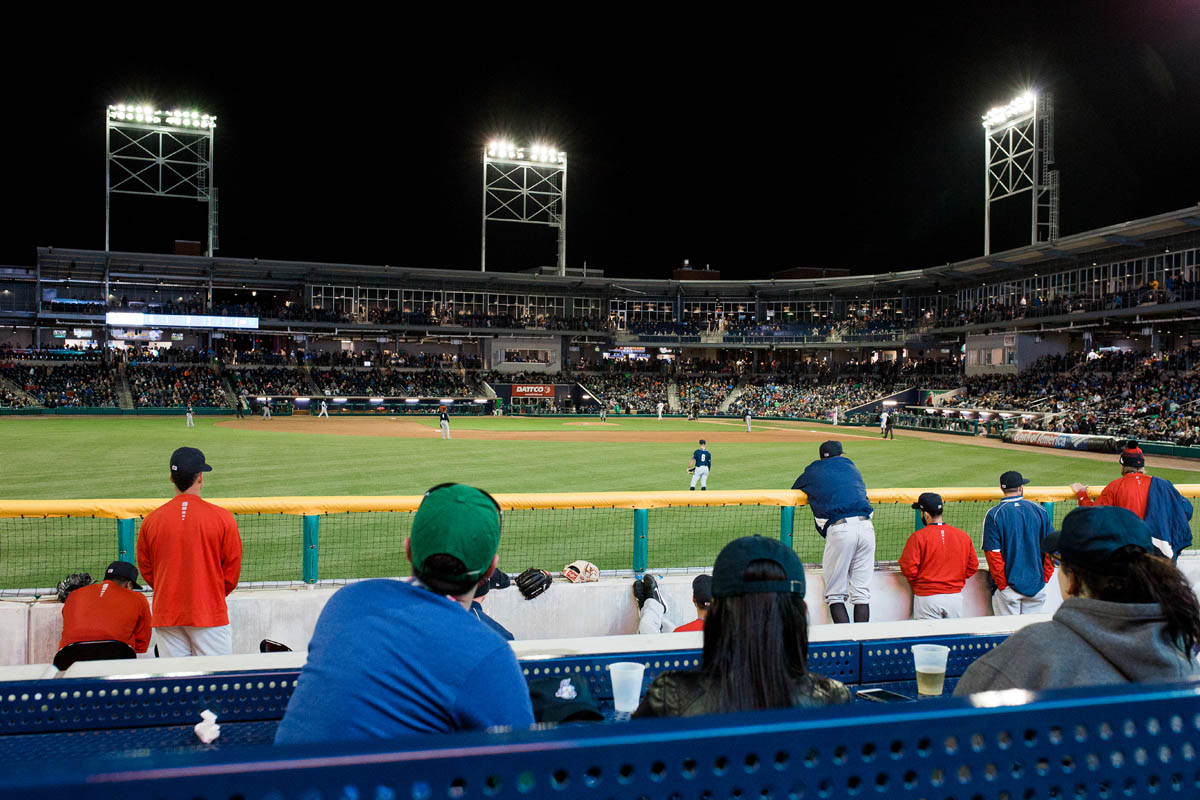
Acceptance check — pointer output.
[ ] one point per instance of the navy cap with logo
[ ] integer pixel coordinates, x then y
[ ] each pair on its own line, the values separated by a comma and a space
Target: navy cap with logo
190, 460
830, 449
1092, 534
1012, 480
728, 578
929, 502
122, 571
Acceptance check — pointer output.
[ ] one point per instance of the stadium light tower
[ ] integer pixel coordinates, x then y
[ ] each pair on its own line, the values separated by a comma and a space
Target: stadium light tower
525, 184
160, 154
1020, 149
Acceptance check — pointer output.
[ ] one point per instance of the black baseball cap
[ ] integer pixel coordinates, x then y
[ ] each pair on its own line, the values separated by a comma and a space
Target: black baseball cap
831, 448
1012, 480
563, 699
728, 578
702, 588
929, 502
188, 459
1091, 534
703, 442
122, 571
498, 580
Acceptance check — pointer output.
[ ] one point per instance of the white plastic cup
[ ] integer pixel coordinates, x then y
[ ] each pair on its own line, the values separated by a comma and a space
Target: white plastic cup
627, 685
930, 663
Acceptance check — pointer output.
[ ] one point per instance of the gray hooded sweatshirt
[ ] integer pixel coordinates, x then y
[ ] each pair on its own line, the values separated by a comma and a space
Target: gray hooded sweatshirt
1087, 643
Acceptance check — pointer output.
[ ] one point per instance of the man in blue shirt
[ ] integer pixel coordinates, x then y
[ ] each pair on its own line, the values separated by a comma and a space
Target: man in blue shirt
699, 466
842, 514
1012, 543
393, 658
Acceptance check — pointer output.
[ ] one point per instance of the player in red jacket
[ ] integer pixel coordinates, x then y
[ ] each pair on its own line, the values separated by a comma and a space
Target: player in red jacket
937, 560
112, 610
190, 552
1128, 491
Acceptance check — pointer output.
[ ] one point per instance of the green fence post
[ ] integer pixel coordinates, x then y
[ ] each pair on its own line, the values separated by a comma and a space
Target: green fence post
919, 522
1049, 506
787, 524
312, 548
125, 541
641, 534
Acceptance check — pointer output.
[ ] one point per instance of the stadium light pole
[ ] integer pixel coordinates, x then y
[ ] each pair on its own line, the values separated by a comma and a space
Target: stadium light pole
525, 184
158, 153
1019, 152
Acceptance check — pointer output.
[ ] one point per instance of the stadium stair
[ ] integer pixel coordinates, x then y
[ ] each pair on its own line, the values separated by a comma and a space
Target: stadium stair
673, 396
734, 394
124, 395
8, 385
870, 407
308, 378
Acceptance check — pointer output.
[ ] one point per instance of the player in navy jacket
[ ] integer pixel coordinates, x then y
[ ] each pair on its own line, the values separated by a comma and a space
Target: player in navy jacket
1012, 543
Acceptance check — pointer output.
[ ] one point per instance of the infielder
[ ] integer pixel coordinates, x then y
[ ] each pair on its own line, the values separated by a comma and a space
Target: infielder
842, 515
324, 412
699, 466
444, 423
883, 421
835, 416
660, 408
603, 410
191, 422
266, 409
748, 418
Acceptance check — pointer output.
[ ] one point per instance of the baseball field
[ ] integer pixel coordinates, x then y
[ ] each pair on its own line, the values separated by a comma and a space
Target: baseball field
97, 457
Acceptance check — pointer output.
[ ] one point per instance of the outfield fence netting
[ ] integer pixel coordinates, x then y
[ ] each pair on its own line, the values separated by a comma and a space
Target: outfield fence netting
307, 540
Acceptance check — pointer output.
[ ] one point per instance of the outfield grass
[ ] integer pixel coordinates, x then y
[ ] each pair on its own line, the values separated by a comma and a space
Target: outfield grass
77, 457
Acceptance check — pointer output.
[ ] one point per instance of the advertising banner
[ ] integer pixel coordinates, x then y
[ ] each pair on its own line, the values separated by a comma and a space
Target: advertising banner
1065, 441
532, 390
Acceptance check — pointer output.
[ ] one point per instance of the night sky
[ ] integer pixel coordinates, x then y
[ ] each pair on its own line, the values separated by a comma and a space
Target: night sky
752, 142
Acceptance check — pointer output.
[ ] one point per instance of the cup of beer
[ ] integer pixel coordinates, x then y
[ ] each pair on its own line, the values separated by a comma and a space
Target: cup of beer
930, 662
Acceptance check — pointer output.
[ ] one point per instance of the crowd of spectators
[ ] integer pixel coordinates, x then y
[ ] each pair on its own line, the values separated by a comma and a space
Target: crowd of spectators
630, 393
376, 382
268, 381
64, 385
10, 399
165, 386
704, 392
810, 397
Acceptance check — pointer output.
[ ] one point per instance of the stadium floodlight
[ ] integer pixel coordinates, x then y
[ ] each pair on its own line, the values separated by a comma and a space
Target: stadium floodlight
1019, 148
525, 184
159, 153
1001, 115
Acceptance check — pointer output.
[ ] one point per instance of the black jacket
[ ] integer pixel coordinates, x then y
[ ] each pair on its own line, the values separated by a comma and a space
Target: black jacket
684, 694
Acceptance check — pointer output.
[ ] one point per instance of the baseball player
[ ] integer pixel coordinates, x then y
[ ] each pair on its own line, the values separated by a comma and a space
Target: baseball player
890, 428
842, 515
835, 415
444, 423
883, 424
242, 406
699, 466
603, 410
748, 418
937, 561
266, 409
191, 421
1013, 532
660, 408
324, 412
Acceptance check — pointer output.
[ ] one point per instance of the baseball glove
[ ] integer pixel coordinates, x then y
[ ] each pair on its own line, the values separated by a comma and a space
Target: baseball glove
581, 572
691, 470
533, 582
76, 580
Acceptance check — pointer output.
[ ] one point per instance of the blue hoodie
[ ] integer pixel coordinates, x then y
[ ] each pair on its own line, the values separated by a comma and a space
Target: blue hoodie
835, 490
1168, 514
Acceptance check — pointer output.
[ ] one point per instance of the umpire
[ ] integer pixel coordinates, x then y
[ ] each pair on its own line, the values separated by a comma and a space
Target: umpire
842, 514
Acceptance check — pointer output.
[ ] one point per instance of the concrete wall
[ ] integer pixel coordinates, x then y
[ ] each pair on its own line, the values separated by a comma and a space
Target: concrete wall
1027, 348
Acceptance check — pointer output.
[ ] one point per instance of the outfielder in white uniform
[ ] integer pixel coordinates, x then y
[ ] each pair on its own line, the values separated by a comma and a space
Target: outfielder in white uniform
883, 418
266, 409
660, 408
748, 418
699, 466
324, 412
191, 422
444, 423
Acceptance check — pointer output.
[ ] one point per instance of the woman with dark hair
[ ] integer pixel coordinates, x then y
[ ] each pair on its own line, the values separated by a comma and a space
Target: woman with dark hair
755, 641
1129, 615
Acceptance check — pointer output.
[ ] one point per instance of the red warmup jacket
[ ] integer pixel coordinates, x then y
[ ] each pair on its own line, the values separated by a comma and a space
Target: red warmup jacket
105, 611
190, 552
1128, 491
938, 559
694, 625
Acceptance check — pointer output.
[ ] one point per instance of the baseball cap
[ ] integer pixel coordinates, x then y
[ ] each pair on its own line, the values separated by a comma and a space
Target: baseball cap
1091, 534
1012, 480
703, 442
460, 521
497, 580
702, 588
563, 699
122, 571
730, 569
831, 448
188, 459
1132, 456
930, 502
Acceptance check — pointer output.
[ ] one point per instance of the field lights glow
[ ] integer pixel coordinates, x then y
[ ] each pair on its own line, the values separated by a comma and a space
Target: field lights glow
1020, 106
177, 118
539, 152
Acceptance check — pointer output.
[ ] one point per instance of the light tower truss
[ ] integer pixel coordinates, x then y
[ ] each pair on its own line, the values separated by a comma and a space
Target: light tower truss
158, 153
525, 184
1020, 153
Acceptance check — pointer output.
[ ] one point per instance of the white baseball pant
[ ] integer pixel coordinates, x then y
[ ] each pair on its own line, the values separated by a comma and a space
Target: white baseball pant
188, 641
849, 561
191, 423
654, 618
747, 425
701, 474
937, 606
445, 429
1008, 602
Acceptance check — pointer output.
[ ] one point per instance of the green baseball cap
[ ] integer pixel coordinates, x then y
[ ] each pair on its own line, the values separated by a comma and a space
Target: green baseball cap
460, 521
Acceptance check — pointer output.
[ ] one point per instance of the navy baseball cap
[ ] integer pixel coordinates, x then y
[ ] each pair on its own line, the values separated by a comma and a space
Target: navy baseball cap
831, 448
703, 442
728, 579
930, 502
702, 589
1091, 534
122, 571
1012, 480
188, 459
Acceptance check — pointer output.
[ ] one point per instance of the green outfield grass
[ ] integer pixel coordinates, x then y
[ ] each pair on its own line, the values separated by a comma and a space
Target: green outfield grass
78, 457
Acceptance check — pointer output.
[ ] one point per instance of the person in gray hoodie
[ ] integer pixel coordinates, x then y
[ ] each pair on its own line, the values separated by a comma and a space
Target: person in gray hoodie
1129, 615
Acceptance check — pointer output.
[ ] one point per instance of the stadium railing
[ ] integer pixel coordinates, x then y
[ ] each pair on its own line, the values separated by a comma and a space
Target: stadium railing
296, 540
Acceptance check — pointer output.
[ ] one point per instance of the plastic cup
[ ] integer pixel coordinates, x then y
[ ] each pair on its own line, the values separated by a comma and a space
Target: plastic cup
930, 663
627, 685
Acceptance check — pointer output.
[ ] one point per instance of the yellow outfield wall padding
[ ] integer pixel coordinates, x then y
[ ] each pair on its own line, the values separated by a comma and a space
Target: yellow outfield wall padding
129, 509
